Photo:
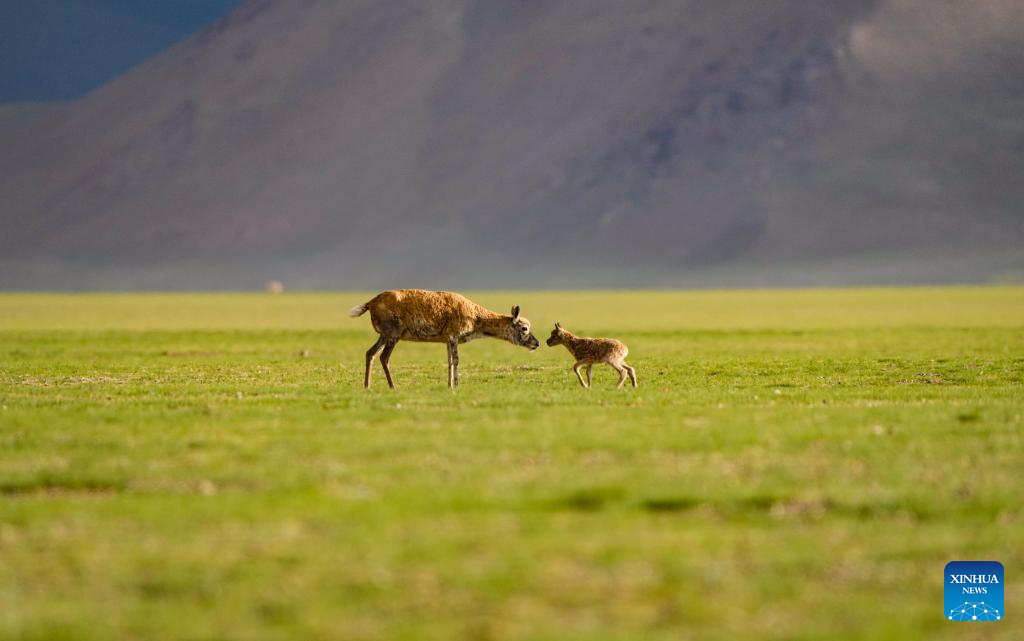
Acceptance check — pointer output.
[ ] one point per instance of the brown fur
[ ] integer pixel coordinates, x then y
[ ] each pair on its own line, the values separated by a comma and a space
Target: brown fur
436, 317
588, 351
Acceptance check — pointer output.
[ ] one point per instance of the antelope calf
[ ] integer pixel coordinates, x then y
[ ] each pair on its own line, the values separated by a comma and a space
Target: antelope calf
436, 317
588, 351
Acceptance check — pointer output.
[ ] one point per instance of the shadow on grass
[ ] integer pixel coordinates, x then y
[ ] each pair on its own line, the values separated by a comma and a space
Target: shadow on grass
59, 487
776, 506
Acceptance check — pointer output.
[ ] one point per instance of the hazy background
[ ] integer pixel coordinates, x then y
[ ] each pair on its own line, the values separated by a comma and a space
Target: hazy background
482, 143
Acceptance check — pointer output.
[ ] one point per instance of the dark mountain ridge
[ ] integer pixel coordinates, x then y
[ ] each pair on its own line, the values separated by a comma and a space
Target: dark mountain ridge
471, 143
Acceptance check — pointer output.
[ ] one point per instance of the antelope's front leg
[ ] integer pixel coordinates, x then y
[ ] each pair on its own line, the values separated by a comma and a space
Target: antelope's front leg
576, 368
455, 362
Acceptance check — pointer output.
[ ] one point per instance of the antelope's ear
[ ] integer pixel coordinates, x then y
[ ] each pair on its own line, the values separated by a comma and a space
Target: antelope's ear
515, 312
558, 325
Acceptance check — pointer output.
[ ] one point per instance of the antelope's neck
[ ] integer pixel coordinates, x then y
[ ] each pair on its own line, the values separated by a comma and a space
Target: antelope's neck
493, 326
571, 342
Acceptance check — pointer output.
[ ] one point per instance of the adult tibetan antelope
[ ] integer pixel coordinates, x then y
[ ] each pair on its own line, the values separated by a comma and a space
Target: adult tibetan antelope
436, 317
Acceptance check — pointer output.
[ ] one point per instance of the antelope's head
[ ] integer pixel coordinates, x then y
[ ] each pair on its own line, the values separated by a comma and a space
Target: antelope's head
557, 336
519, 331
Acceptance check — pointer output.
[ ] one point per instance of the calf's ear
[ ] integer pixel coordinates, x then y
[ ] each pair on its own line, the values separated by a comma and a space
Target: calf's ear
558, 325
515, 312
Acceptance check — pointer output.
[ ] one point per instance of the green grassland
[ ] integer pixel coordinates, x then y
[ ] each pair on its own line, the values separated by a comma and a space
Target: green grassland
794, 465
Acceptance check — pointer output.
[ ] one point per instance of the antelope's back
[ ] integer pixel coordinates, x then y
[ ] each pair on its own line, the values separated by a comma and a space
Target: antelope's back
419, 314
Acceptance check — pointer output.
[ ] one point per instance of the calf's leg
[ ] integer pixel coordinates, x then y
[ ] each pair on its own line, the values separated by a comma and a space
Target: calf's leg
632, 374
576, 368
622, 374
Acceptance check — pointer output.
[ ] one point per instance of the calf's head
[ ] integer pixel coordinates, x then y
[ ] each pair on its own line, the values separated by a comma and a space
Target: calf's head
518, 332
557, 336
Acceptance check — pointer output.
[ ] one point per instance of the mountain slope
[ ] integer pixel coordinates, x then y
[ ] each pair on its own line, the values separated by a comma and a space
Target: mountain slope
365, 144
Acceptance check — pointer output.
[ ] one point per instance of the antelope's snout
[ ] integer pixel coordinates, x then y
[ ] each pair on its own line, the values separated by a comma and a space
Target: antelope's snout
532, 342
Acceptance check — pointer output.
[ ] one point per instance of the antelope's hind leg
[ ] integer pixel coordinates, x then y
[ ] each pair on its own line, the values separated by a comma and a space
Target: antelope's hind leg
385, 358
621, 369
453, 359
370, 354
632, 374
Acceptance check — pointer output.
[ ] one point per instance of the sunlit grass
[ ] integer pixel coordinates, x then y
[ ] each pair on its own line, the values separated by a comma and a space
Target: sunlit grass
793, 465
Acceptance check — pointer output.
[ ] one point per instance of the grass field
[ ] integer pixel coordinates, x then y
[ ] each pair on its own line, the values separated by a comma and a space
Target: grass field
794, 465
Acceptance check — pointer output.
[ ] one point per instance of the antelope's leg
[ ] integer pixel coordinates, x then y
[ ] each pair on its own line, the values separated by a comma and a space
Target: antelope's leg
621, 369
370, 354
455, 362
576, 368
451, 365
590, 367
632, 374
385, 358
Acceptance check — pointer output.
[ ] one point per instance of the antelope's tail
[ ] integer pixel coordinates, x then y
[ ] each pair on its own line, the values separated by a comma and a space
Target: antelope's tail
359, 310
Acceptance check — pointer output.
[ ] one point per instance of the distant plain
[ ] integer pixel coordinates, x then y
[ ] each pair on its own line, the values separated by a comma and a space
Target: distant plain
795, 465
